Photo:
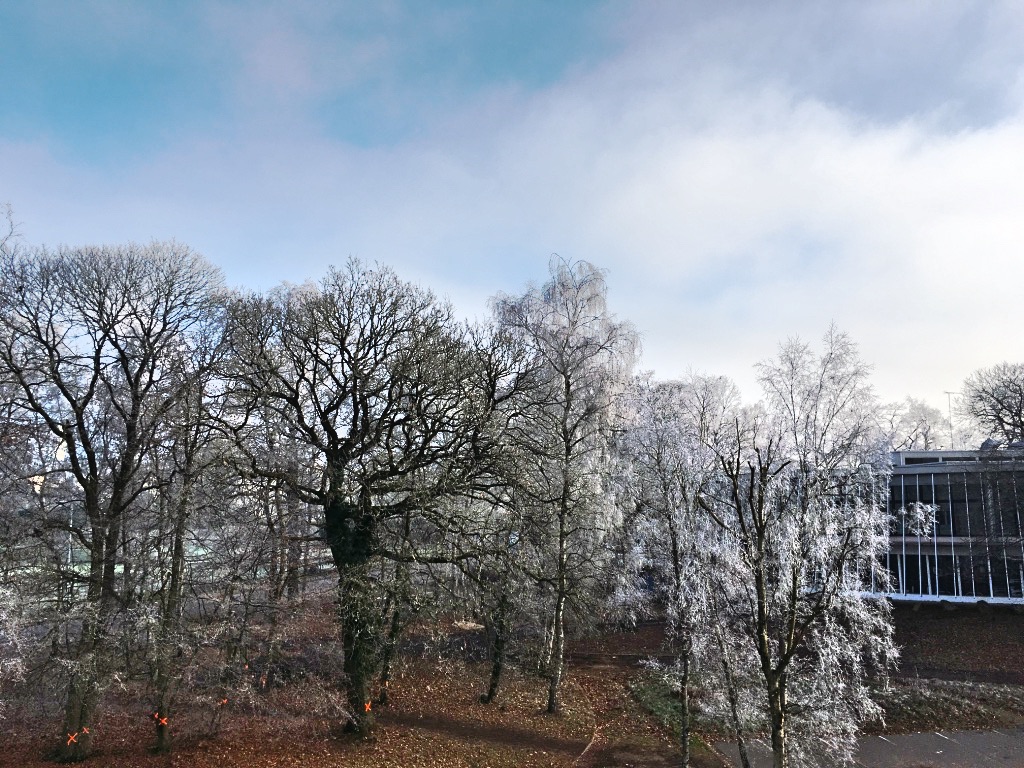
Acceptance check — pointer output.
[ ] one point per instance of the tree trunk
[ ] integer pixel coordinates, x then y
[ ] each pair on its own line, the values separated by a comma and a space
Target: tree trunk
558, 620
544, 660
79, 710
389, 653
360, 660
169, 623
161, 718
294, 529
498, 644
730, 684
557, 654
349, 529
684, 701
83, 689
777, 706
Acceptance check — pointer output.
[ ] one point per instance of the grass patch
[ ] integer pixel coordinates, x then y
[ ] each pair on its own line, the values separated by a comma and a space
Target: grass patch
658, 698
920, 705
661, 701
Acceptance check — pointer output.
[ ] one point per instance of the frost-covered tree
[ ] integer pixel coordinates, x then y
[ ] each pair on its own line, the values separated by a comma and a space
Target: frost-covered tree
580, 359
98, 346
9, 237
186, 463
913, 425
800, 506
11, 651
390, 399
668, 443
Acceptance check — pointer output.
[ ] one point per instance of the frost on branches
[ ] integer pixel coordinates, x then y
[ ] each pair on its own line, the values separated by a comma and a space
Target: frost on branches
762, 527
579, 360
668, 443
189, 476
800, 506
11, 656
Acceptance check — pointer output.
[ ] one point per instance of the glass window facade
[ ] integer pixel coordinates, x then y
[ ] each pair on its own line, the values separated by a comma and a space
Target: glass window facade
965, 543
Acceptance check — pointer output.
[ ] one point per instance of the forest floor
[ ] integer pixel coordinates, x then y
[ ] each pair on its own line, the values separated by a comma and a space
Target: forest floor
959, 670
434, 719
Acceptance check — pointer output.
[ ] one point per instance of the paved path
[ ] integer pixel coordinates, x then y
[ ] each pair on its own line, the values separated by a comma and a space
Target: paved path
949, 749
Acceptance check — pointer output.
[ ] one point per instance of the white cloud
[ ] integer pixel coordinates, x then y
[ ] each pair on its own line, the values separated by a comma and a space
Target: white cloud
733, 207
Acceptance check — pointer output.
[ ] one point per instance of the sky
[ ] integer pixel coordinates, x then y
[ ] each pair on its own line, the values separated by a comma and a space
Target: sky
745, 172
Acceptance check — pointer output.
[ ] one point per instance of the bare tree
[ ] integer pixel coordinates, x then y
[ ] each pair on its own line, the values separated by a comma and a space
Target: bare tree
11, 652
994, 399
913, 425
186, 449
581, 360
392, 400
500, 590
9, 235
94, 341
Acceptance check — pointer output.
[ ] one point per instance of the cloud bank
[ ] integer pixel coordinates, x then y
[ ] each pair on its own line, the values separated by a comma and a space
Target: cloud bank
744, 174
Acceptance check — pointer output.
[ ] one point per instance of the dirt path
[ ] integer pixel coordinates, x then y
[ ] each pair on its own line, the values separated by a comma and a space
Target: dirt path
509, 736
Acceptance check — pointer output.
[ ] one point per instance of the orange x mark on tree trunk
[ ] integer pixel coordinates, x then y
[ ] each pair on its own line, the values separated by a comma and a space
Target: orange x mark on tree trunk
366, 707
162, 721
72, 738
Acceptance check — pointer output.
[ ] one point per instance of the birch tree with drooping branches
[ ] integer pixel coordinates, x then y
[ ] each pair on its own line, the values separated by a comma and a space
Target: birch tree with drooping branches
800, 508
580, 360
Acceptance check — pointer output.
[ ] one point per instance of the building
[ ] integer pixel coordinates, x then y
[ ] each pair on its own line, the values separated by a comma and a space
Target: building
955, 530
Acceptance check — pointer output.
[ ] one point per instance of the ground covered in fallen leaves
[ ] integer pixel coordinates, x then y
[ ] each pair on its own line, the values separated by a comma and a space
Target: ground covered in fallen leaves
960, 669
434, 719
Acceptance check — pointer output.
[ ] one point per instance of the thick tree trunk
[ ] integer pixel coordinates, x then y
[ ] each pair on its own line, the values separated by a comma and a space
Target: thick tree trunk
161, 717
83, 689
79, 711
349, 529
360, 653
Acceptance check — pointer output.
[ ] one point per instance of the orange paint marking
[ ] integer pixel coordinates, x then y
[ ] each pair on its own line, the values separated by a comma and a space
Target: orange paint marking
366, 707
85, 730
222, 702
162, 721
72, 738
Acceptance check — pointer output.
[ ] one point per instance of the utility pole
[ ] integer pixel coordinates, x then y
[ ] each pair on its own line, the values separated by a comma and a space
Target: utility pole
949, 405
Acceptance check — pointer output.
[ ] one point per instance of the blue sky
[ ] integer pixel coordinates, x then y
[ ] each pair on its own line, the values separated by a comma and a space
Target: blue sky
745, 171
